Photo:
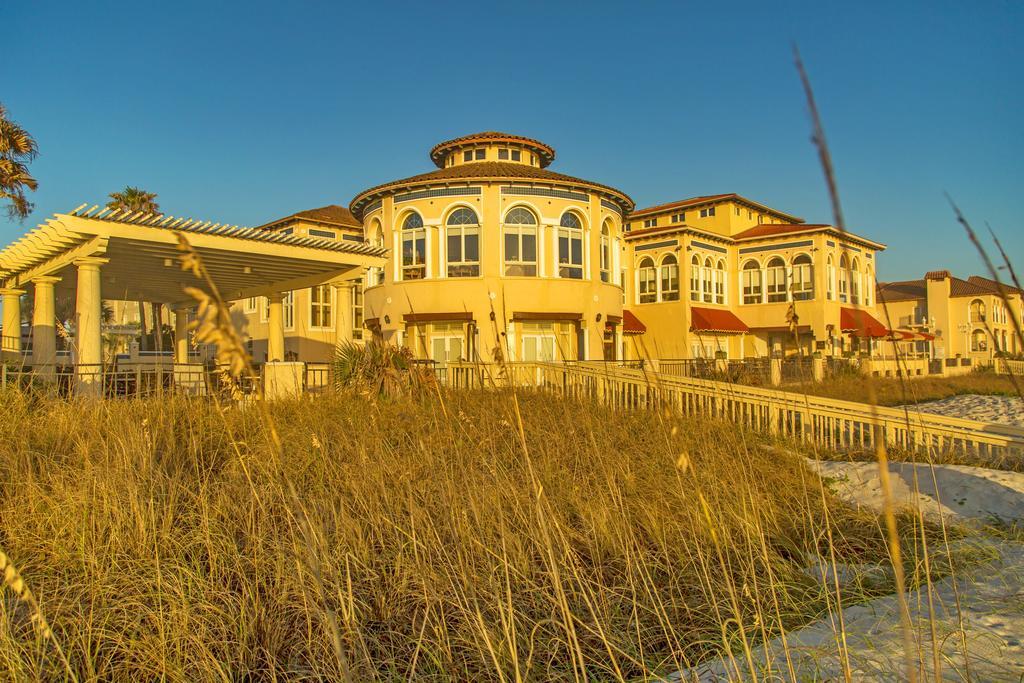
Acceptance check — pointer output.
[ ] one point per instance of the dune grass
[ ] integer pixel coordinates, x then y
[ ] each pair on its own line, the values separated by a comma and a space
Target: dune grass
893, 392
439, 538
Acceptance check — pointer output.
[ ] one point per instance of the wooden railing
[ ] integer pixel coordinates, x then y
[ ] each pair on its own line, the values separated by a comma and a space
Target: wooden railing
829, 423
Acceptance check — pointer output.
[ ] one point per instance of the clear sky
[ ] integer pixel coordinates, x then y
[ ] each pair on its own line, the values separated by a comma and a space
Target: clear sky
250, 111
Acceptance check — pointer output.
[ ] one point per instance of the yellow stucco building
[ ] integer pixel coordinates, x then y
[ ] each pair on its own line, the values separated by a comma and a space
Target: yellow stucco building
960, 321
494, 254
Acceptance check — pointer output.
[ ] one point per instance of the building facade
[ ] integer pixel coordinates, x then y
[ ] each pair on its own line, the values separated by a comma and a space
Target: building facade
955, 318
492, 255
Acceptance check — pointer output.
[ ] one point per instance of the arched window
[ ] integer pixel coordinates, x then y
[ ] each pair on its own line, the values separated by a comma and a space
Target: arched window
977, 311
414, 247
520, 231
669, 278
647, 284
752, 289
695, 278
775, 280
803, 278
463, 247
869, 286
855, 281
830, 279
376, 274
570, 246
606, 252
707, 282
844, 278
720, 282
979, 342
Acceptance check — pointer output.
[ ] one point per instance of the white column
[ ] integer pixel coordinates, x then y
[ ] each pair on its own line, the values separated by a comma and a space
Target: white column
343, 309
542, 250
11, 321
616, 264
429, 246
44, 327
181, 335
275, 328
88, 322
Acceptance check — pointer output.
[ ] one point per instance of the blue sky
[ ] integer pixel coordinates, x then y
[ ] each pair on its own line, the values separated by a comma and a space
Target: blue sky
246, 112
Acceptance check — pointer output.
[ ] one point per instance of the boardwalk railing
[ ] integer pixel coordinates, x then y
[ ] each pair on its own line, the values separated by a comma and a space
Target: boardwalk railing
829, 423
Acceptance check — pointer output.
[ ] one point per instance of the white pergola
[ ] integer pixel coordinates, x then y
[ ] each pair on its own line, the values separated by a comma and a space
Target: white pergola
95, 254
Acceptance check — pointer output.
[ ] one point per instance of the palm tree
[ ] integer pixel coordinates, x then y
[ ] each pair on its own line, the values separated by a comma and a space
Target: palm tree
136, 199
17, 149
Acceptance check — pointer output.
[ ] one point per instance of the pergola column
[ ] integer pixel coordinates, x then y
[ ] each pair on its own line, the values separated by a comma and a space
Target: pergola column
44, 327
275, 321
11, 344
181, 335
343, 322
88, 323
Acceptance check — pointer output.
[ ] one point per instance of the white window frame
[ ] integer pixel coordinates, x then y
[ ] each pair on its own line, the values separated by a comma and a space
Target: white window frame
646, 281
663, 268
329, 305
288, 311
518, 229
571, 234
462, 231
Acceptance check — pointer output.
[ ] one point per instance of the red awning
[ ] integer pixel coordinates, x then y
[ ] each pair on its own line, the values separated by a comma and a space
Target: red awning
715, 320
860, 323
631, 324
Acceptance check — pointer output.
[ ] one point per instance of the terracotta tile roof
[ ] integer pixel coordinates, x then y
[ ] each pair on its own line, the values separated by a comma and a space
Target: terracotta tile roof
993, 285
705, 199
907, 290
860, 323
632, 324
715, 320
486, 170
772, 229
332, 213
958, 287
937, 275
440, 150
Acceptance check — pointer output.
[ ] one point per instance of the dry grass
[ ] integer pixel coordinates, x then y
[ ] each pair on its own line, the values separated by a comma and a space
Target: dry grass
386, 541
894, 392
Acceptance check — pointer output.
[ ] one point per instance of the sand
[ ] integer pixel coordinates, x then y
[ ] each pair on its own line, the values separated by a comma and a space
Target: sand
1007, 410
991, 593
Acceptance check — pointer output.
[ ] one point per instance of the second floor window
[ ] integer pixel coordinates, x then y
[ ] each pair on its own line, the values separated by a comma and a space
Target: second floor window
320, 309
606, 253
288, 310
751, 282
647, 283
707, 280
775, 279
463, 231
520, 235
669, 279
720, 283
414, 248
357, 312
695, 278
570, 247
803, 278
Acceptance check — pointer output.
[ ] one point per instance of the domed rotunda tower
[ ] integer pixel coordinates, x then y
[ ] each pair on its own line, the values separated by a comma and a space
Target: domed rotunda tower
493, 255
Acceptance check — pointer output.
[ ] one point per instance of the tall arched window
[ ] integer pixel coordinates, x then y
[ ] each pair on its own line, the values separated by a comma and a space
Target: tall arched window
414, 248
869, 286
844, 278
855, 281
775, 280
707, 282
570, 246
647, 283
463, 247
803, 278
669, 278
606, 252
695, 278
520, 231
376, 232
752, 289
977, 311
830, 279
720, 282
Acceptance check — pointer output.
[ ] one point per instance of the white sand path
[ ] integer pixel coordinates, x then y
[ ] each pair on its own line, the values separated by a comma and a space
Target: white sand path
991, 594
1006, 410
